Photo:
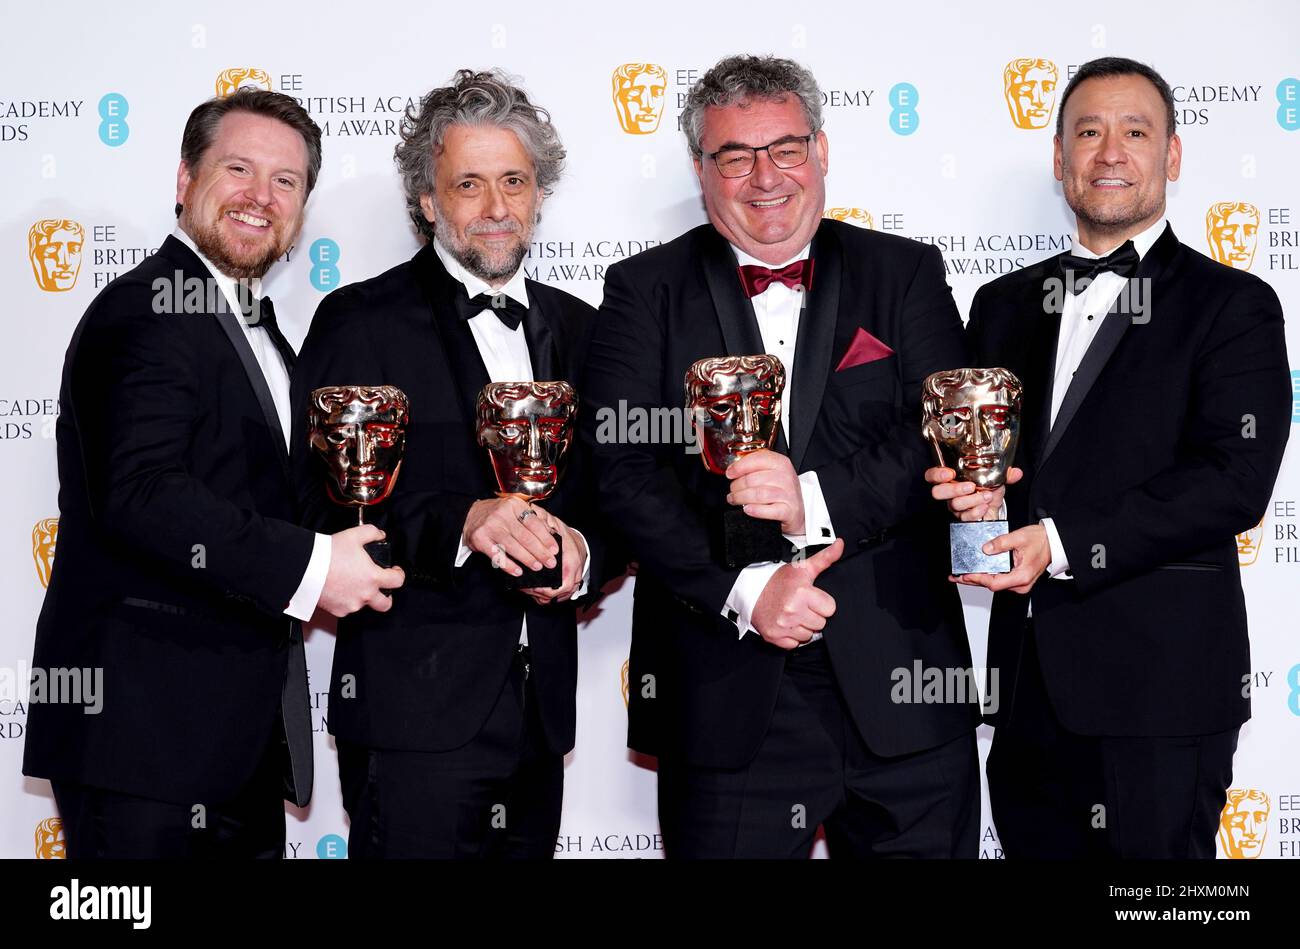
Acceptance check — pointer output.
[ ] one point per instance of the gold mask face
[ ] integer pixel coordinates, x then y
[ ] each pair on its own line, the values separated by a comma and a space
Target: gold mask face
971, 417
1243, 823
734, 404
527, 427
359, 433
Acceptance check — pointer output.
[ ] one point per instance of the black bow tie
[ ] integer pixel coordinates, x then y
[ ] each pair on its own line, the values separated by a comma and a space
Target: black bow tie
1123, 260
260, 314
508, 310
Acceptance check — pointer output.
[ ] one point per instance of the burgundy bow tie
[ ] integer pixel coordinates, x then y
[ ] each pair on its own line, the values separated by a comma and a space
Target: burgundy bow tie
756, 279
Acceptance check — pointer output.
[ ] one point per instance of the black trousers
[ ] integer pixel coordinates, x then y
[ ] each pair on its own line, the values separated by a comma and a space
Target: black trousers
497, 796
102, 824
813, 769
1056, 794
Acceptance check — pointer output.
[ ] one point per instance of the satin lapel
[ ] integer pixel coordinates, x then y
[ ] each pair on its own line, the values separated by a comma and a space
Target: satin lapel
191, 266
1040, 330
814, 346
1107, 340
735, 313
454, 334
542, 329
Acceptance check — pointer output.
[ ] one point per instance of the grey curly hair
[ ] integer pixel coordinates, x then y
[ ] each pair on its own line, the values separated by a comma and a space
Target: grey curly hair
472, 98
741, 78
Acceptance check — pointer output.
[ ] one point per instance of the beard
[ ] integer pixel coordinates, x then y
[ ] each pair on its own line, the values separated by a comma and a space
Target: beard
1107, 216
490, 266
229, 255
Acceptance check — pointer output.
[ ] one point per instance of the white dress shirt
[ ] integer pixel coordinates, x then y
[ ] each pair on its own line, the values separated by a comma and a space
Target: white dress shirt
505, 356
778, 310
1081, 317
303, 602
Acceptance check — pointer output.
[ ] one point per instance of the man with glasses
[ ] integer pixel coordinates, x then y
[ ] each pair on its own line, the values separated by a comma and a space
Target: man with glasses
778, 697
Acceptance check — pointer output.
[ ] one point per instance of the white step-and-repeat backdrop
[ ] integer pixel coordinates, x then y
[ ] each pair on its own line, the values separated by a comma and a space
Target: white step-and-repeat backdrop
939, 117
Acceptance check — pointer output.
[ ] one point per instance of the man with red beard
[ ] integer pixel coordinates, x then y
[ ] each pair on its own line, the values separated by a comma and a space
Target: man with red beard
176, 599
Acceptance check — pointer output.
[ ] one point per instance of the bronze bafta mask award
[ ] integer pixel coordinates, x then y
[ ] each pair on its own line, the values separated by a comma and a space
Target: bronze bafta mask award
359, 434
972, 420
527, 427
734, 403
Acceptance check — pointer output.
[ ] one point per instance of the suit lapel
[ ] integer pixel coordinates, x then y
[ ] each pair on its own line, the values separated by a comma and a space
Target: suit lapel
1040, 331
735, 312
543, 329
192, 266
736, 317
457, 339
814, 346
1104, 344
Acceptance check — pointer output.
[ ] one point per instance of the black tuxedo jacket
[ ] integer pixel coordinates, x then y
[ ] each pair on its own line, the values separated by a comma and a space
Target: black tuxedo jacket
697, 690
1166, 445
425, 675
176, 553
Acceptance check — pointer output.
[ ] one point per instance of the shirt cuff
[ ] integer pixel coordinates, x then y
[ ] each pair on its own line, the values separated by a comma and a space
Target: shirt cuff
1060, 564
462, 554
586, 567
817, 525
744, 595
303, 602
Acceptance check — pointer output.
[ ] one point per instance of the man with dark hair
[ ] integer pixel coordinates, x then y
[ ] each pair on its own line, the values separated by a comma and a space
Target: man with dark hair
453, 711
182, 578
1156, 410
773, 701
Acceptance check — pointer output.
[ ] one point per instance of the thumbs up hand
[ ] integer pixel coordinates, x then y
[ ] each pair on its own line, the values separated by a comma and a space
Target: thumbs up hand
790, 608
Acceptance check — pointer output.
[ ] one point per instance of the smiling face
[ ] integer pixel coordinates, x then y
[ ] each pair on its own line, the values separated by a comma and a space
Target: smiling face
1114, 157
771, 213
527, 427
486, 200
243, 202
359, 433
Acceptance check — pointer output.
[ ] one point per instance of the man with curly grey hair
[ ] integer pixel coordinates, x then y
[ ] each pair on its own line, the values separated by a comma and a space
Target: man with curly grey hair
452, 716
776, 705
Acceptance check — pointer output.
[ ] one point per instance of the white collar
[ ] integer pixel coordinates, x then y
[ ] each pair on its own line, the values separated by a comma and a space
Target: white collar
514, 288
226, 282
745, 260
1141, 242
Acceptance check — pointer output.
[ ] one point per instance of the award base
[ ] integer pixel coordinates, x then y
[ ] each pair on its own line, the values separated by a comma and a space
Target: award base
381, 552
547, 577
966, 539
739, 540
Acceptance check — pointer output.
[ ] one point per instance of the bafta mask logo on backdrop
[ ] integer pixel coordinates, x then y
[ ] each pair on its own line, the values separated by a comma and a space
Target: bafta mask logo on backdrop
54, 248
49, 839
45, 536
1243, 824
624, 684
1232, 230
1248, 544
639, 92
230, 81
1030, 89
859, 216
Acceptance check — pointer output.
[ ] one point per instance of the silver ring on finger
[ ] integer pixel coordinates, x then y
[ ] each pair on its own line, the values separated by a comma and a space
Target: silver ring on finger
498, 557
526, 513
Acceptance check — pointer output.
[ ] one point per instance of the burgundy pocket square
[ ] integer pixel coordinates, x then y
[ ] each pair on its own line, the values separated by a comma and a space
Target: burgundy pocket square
865, 348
